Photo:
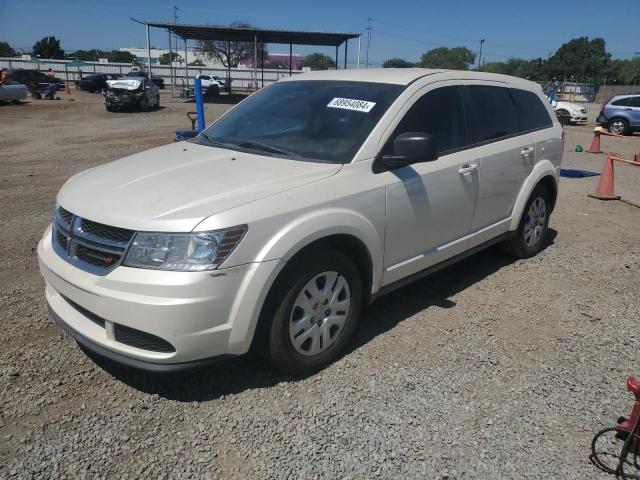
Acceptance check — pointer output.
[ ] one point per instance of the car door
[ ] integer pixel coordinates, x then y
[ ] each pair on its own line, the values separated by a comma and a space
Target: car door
429, 205
634, 113
505, 158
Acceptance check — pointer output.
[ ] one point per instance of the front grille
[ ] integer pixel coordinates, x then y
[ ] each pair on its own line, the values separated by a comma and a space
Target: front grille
62, 239
91, 246
120, 235
143, 340
96, 257
65, 216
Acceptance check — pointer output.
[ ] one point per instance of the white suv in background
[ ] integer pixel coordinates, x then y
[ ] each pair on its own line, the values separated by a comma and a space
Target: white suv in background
305, 202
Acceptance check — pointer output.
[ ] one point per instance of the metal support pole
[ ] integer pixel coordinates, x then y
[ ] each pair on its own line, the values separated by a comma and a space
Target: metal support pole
229, 63
290, 58
358, 62
148, 53
197, 87
173, 87
255, 61
336, 57
346, 47
186, 66
262, 60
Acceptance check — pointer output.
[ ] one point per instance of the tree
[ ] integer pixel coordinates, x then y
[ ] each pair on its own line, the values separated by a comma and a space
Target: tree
457, 58
397, 63
6, 50
164, 58
580, 58
318, 61
48, 47
115, 56
230, 54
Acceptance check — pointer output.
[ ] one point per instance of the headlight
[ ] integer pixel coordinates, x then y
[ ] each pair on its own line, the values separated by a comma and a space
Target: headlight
185, 252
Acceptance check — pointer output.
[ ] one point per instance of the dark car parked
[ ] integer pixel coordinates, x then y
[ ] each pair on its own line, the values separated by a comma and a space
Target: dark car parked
621, 114
33, 77
131, 93
159, 81
96, 81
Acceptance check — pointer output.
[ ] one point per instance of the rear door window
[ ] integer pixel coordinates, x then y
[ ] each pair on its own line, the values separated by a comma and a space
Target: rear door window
439, 112
492, 113
634, 101
532, 114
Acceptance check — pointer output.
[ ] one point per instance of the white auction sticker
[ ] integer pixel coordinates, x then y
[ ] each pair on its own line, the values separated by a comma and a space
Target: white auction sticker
351, 104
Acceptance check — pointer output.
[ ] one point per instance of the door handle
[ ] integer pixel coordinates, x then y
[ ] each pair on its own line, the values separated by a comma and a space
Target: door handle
468, 168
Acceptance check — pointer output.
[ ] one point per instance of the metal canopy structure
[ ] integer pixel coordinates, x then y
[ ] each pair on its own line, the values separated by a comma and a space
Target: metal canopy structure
238, 34
255, 36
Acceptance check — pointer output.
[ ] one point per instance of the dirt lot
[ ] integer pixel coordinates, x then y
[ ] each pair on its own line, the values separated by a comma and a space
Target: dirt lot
492, 368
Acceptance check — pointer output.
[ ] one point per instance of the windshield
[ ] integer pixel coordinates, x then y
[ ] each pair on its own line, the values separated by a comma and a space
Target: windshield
316, 120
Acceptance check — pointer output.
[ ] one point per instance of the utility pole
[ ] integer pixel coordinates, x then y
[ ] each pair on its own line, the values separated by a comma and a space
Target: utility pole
480, 54
175, 20
368, 38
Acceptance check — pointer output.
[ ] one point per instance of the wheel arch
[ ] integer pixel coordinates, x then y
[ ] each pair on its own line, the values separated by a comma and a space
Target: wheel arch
544, 173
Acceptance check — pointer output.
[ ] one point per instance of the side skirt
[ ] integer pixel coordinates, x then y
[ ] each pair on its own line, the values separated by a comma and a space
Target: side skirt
438, 266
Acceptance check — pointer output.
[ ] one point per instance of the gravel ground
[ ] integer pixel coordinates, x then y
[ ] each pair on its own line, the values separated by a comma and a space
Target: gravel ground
492, 368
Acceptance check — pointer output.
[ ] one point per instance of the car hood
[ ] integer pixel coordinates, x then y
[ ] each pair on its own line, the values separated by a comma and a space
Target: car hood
175, 187
568, 106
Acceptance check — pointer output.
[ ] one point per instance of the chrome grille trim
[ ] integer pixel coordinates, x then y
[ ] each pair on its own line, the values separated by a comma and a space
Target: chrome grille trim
102, 247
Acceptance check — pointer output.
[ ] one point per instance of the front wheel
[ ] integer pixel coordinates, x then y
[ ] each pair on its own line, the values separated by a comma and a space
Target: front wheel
529, 238
311, 313
614, 452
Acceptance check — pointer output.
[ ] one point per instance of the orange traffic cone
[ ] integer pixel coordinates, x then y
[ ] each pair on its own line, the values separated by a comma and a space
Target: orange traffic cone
605, 188
595, 144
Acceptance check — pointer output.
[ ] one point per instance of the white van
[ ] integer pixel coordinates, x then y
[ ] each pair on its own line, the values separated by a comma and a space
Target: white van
306, 201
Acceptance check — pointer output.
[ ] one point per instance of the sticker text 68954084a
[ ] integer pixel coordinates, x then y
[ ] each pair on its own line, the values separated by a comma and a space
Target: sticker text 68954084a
351, 104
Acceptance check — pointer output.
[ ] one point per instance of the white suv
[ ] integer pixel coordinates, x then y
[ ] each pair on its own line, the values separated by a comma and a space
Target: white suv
305, 202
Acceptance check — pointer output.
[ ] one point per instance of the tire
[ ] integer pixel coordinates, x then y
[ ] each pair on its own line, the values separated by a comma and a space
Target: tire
528, 239
296, 296
619, 126
144, 104
110, 109
157, 105
605, 454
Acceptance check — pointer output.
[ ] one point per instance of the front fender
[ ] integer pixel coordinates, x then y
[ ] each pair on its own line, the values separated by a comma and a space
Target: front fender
318, 224
541, 169
281, 247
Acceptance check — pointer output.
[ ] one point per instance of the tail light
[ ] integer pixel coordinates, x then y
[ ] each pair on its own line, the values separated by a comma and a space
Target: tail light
604, 104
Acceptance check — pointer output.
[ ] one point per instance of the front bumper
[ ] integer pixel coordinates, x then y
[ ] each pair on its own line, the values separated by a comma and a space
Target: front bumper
578, 118
202, 315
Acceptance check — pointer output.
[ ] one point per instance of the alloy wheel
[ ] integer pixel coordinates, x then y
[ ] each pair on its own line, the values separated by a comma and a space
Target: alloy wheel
319, 313
536, 221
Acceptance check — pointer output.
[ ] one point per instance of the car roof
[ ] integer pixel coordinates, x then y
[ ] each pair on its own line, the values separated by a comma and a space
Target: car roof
406, 76
625, 95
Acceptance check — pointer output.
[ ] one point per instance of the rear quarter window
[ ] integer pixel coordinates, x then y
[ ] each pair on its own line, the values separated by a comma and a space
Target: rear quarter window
532, 114
492, 113
621, 102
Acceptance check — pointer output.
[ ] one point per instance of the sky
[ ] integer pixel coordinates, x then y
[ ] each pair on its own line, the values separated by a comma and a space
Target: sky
400, 28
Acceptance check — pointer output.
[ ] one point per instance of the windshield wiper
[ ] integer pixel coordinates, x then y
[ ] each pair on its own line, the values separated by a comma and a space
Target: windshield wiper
262, 146
212, 142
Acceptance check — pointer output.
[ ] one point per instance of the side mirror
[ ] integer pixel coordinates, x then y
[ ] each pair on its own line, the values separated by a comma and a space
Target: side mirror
412, 147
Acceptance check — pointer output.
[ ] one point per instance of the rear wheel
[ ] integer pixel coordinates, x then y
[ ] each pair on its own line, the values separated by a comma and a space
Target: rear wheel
618, 126
311, 313
529, 238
